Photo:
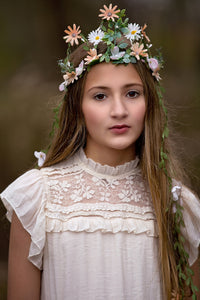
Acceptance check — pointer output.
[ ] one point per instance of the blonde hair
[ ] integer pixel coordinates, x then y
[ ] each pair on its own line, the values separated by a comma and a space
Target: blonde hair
71, 135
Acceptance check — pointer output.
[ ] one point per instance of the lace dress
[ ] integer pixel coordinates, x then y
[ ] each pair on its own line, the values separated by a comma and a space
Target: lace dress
93, 229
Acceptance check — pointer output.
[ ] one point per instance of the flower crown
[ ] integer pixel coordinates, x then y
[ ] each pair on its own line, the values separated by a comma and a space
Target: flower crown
111, 30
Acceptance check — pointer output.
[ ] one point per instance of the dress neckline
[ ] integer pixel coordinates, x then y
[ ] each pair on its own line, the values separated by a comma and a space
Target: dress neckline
91, 165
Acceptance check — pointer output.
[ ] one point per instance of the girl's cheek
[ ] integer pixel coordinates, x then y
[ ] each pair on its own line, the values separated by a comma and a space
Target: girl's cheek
92, 115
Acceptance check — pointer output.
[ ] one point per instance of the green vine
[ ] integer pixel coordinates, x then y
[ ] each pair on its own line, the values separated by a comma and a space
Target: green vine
185, 273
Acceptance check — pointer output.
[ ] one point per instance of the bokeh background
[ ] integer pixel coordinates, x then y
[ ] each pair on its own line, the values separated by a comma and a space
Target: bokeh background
31, 42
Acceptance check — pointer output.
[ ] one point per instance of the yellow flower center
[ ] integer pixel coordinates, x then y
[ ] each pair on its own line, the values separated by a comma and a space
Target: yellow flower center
133, 31
97, 38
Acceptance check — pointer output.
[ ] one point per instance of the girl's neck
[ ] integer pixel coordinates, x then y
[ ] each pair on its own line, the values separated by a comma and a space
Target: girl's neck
110, 157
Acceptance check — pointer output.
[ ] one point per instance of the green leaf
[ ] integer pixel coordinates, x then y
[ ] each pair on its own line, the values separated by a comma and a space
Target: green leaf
111, 32
110, 38
103, 28
86, 48
102, 58
118, 35
161, 164
126, 60
125, 30
122, 13
107, 59
166, 132
109, 43
188, 281
122, 45
163, 155
126, 20
133, 60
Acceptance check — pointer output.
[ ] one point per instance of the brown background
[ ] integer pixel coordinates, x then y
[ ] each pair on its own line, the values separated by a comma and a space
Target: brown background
30, 45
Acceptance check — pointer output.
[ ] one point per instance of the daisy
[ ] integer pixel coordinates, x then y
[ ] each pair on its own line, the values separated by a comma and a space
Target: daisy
137, 50
116, 54
41, 156
109, 12
72, 35
92, 56
95, 36
133, 32
144, 33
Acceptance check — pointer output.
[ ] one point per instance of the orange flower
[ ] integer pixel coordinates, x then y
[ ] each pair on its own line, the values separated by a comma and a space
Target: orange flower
109, 12
137, 51
72, 35
144, 33
92, 56
69, 77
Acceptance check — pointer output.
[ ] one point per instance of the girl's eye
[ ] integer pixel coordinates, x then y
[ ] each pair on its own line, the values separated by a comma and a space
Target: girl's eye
100, 97
132, 94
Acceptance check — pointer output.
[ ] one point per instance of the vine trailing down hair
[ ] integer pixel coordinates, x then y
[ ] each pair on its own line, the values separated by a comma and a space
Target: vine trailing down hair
119, 42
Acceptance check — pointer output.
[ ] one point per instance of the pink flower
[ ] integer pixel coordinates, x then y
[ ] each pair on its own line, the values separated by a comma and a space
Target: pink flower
155, 67
153, 64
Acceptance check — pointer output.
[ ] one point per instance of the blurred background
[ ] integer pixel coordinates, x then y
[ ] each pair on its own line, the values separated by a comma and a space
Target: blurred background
32, 42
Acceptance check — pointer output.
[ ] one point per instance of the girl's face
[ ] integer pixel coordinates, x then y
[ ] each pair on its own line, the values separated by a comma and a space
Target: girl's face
114, 109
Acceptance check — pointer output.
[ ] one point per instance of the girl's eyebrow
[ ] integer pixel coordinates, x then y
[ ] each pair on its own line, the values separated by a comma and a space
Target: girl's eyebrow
128, 85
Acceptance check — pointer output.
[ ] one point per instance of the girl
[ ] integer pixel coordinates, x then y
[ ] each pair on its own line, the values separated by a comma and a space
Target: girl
107, 216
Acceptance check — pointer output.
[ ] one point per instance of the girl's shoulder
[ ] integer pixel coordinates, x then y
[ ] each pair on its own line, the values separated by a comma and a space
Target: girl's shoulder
26, 197
22, 189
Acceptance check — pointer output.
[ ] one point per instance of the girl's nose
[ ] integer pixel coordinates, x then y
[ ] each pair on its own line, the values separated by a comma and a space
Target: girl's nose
118, 108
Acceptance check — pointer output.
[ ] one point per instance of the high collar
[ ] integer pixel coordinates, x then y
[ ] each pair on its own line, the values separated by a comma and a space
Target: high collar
95, 167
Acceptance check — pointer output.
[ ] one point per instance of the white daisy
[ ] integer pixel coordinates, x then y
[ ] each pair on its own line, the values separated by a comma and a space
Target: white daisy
133, 32
95, 36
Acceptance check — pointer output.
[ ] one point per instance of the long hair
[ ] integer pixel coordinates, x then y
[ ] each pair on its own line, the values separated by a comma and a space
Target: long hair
71, 135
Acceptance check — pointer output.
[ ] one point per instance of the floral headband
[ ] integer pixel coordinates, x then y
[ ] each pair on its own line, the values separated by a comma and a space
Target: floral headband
112, 29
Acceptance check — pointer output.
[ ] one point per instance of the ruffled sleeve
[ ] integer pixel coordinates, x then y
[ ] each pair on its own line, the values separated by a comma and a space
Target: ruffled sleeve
191, 216
26, 197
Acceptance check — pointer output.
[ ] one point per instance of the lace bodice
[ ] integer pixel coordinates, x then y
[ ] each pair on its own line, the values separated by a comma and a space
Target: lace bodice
83, 188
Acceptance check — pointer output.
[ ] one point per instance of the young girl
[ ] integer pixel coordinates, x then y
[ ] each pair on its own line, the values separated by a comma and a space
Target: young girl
107, 216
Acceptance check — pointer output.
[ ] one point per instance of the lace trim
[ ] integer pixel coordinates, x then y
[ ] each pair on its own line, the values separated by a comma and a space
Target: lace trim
93, 167
94, 207
92, 224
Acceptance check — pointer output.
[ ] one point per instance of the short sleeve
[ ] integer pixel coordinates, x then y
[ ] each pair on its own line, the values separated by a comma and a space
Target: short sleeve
26, 197
191, 216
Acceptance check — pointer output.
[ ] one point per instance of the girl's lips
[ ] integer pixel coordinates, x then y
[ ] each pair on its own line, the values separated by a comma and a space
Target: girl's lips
119, 129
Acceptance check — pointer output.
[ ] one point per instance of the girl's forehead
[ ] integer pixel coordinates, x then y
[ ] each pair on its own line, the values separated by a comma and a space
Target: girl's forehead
106, 74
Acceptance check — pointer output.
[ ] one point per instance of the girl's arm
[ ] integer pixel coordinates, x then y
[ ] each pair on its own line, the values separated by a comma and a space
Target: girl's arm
23, 276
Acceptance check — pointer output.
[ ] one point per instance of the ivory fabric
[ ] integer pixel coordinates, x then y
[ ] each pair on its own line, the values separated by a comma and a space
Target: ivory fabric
93, 229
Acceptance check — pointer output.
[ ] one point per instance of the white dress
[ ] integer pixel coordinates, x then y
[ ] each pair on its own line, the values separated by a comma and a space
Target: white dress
93, 229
